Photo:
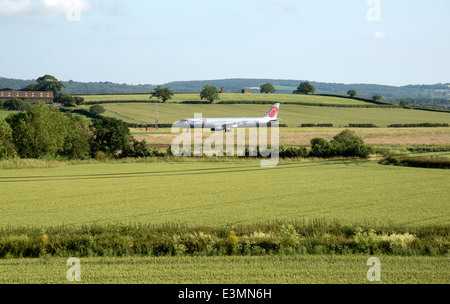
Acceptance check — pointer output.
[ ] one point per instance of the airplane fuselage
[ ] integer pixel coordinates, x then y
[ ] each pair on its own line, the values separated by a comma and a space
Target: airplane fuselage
220, 124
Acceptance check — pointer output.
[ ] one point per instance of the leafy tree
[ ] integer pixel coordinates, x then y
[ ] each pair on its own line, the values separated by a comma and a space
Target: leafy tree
7, 149
321, 148
209, 93
162, 93
111, 136
44, 131
77, 137
48, 83
348, 144
31, 87
97, 110
352, 93
138, 149
267, 88
67, 100
305, 88
37, 132
377, 97
16, 104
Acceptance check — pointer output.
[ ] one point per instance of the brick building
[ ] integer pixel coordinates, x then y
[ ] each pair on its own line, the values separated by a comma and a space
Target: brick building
32, 96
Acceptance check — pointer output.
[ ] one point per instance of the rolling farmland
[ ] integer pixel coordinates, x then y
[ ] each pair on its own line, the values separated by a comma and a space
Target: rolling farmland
41, 194
178, 98
292, 115
191, 193
314, 269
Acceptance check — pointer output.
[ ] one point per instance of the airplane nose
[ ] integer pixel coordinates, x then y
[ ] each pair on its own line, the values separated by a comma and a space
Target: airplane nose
180, 124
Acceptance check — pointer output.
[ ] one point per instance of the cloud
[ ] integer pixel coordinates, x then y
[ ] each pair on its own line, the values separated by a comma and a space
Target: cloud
375, 35
102, 26
379, 35
72, 9
273, 7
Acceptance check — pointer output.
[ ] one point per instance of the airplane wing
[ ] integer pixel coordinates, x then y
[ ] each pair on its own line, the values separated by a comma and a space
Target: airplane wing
224, 125
238, 124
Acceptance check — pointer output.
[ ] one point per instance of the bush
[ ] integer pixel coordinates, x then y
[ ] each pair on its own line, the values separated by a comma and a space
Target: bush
420, 162
138, 149
321, 148
44, 131
262, 239
111, 136
16, 104
7, 148
362, 125
320, 125
97, 110
100, 155
68, 100
348, 144
293, 152
419, 125
345, 144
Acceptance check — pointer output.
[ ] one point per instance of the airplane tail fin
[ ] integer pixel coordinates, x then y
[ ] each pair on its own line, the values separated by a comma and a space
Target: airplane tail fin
273, 113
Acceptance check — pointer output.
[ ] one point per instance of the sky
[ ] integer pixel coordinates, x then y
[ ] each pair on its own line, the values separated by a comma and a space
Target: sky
154, 42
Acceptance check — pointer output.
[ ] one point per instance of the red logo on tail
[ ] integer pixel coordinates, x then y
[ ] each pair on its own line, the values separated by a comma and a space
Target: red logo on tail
273, 112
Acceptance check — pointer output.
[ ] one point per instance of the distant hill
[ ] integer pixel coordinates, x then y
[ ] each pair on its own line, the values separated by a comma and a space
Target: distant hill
75, 87
441, 91
437, 94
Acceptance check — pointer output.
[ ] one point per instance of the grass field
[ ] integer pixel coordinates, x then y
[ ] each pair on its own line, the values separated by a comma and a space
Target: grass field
191, 192
229, 270
177, 98
292, 115
234, 193
303, 136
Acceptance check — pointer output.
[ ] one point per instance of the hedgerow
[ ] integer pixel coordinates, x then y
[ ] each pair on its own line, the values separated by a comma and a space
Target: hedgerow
315, 237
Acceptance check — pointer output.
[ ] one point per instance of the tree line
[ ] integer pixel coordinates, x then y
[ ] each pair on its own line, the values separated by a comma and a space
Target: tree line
44, 131
427, 92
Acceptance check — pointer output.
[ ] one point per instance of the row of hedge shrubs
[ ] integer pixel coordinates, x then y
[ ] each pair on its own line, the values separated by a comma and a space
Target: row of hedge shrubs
319, 125
89, 103
315, 104
426, 108
357, 98
419, 162
345, 144
370, 125
419, 125
361, 125
145, 240
259, 102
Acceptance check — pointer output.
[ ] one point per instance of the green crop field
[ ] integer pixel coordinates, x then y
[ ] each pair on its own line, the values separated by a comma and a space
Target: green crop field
191, 193
79, 194
178, 98
228, 194
229, 270
292, 115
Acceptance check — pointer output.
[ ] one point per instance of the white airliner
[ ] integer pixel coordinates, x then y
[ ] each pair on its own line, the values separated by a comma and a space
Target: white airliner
220, 124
